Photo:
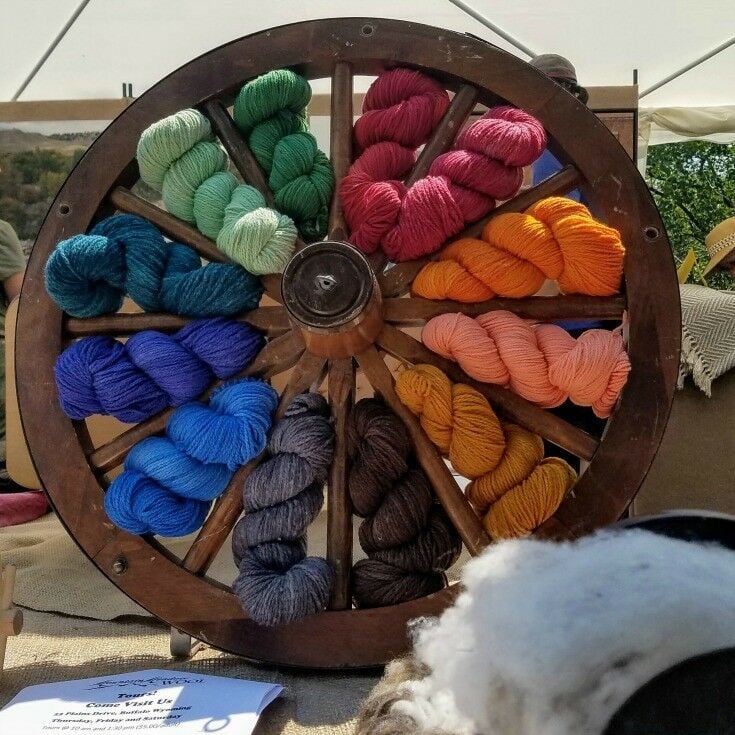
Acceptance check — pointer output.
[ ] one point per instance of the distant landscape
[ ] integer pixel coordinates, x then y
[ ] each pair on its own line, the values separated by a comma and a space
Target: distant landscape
32, 168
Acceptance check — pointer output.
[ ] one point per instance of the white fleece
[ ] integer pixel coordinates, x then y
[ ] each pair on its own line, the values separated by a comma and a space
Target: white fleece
551, 639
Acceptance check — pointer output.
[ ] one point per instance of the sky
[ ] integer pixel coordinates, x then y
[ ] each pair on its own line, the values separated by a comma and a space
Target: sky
140, 41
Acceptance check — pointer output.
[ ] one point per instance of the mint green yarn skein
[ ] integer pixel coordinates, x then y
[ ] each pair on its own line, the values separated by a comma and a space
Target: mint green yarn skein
271, 112
179, 157
261, 239
166, 141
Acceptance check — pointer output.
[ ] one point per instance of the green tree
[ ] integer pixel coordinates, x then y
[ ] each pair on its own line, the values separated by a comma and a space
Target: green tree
693, 184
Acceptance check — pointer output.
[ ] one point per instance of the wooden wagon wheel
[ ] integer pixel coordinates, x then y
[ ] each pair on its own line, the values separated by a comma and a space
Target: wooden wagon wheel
359, 328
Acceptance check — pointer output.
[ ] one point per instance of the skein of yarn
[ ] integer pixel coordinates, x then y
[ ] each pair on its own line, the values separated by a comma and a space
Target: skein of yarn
401, 109
271, 112
407, 536
555, 238
134, 380
541, 362
180, 157
168, 482
89, 275
278, 583
513, 487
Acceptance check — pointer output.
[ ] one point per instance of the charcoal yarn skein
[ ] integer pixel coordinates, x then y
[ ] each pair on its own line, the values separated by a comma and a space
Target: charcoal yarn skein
168, 482
89, 275
278, 583
271, 112
407, 536
134, 380
180, 157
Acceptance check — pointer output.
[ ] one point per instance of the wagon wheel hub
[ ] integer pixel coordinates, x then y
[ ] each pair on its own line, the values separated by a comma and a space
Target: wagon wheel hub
332, 296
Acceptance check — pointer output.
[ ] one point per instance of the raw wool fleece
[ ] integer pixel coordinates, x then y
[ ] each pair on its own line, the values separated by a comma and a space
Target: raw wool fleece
551, 639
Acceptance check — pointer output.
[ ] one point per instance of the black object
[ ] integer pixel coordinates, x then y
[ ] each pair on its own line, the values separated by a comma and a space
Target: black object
695, 697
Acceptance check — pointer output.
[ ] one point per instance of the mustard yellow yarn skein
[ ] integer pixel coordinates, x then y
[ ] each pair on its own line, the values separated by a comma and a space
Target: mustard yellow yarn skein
513, 487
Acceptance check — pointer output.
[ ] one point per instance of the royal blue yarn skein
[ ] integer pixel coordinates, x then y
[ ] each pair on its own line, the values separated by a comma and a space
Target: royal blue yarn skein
89, 275
151, 371
168, 482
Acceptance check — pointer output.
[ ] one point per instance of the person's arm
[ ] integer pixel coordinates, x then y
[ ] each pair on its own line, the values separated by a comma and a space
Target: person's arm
12, 285
12, 261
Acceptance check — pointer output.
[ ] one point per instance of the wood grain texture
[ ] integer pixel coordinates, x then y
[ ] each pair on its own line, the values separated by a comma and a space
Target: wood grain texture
238, 150
340, 143
415, 311
450, 495
272, 320
341, 386
446, 131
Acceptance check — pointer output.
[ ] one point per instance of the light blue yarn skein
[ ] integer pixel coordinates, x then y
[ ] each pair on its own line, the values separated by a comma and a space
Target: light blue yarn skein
168, 482
89, 275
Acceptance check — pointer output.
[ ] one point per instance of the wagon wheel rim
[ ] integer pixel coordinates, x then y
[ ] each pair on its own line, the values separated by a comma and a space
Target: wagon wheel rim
342, 48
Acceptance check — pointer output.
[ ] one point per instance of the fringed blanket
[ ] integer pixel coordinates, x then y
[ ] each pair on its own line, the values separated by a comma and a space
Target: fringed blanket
708, 334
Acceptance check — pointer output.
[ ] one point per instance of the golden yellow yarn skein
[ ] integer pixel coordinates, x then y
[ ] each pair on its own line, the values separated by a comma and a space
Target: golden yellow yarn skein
513, 487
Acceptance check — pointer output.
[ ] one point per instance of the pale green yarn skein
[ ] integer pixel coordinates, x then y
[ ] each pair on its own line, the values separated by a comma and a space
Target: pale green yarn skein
271, 112
179, 157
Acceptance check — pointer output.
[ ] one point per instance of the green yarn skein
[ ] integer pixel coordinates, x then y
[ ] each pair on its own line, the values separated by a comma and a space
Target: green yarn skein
271, 112
180, 157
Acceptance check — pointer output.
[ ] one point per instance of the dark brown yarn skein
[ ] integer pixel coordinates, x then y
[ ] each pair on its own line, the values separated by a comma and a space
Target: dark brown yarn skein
409, 541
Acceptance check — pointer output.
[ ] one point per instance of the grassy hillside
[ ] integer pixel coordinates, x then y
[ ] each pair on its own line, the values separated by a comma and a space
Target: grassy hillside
32, 168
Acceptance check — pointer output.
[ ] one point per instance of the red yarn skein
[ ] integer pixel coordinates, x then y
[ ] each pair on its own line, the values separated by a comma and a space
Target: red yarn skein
402, 108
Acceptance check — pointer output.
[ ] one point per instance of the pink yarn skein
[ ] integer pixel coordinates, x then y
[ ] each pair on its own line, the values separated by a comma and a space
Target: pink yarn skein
402, 108
540, 362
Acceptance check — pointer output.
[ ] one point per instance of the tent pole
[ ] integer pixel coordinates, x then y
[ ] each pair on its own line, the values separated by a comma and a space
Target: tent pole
69, 23
495, 29
686, 68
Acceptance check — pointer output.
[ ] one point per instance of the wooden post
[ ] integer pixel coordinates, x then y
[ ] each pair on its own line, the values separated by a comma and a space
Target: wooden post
11, 618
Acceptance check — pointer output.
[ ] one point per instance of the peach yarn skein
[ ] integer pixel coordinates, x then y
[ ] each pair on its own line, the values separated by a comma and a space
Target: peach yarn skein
542, 363
513, 487
556, 238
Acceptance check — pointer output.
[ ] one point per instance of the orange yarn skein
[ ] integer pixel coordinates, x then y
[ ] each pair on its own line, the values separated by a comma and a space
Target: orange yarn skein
513, 487
541, 362
556, 238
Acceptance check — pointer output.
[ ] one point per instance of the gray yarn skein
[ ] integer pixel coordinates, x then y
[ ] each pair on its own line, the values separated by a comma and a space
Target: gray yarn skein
278, 584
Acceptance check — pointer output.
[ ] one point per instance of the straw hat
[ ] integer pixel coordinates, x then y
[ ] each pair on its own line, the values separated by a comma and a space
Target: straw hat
720, 243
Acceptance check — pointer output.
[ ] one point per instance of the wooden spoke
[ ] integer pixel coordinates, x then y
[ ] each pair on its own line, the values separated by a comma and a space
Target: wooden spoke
450, 495
270, 319
278, 355
308, 374
559, 184
181, 231
510, 405
339, 511
397, 280
173, 227
241, 155
415, 311
219, 522
239, 151
340, 143
443, 136
228, 507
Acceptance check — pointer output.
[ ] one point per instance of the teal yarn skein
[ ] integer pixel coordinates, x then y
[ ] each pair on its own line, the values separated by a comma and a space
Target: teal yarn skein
168, 482
271, 112
89, 275
180, 157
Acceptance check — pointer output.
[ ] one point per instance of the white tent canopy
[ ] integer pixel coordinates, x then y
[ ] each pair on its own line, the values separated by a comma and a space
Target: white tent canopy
140, 41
